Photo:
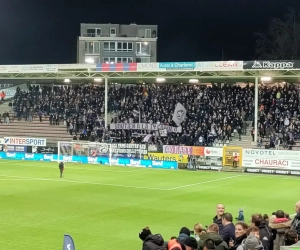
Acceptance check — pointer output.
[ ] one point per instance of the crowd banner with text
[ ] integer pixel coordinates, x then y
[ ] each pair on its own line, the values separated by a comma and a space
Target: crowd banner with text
228, 156
220, 66
180, 158
272, 65
91, 160
177, 65
144, 126
271, 171
271, 159
24, 141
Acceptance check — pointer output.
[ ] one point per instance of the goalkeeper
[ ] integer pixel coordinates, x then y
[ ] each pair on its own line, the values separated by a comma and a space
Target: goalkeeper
61, 167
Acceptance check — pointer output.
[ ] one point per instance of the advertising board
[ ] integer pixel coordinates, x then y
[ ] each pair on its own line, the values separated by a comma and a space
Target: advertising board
24, 141
93, 160
180, 158
189, 150
271, 159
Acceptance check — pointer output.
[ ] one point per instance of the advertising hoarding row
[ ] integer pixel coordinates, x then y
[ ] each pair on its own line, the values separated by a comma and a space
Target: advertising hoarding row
156, 66
91, 160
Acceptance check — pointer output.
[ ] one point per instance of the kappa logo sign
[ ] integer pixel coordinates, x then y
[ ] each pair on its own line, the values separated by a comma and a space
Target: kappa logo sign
272, 65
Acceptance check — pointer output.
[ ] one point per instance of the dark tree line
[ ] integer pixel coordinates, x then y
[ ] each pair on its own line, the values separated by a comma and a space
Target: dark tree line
282, 40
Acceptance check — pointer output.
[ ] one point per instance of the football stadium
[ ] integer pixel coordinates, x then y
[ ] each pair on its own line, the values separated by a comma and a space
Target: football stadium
111, 153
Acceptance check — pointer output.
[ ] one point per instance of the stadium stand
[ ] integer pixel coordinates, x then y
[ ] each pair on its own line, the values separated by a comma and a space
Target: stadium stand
218, 113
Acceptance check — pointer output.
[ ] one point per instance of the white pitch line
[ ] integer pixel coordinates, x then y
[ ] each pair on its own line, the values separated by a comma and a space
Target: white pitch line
18, 178
204, 182
99, 169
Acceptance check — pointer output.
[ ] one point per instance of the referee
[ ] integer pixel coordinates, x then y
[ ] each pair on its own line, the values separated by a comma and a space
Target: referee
61, 168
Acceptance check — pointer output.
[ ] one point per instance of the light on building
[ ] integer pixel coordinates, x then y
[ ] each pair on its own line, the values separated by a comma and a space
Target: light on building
266, 78
193, 80
97, 80
146, 43
67, 80
160, 79
89, 60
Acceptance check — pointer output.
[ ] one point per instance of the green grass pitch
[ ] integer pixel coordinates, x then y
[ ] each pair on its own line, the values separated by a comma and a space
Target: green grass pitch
105, 207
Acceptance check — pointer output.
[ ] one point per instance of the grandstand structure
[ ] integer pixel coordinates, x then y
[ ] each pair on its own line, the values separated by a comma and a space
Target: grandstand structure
171, 72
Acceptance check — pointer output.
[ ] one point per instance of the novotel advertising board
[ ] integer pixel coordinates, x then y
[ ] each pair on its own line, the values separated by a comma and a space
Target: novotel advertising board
25, 141
274, 159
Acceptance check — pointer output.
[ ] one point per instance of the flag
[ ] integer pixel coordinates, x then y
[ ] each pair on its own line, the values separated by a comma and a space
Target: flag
147, 138
135, 112
179, 114
163, 132
68, 243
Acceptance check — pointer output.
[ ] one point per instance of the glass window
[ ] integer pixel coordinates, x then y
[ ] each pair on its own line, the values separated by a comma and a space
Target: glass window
96, 48
106, 59
148, 33
143, 49
124, 46
119, 46
119, 59
90, 32
98, 32
106, 46
130, 59
130, 46
124, 60
143, 59
112, 31
112, 46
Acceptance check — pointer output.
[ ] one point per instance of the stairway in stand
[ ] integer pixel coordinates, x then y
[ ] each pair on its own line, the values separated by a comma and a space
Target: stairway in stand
35, 129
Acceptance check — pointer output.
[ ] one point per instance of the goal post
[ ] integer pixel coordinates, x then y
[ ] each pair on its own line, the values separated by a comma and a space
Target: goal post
85, 152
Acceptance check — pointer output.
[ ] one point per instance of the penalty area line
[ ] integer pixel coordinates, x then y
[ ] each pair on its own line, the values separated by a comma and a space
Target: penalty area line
204, 182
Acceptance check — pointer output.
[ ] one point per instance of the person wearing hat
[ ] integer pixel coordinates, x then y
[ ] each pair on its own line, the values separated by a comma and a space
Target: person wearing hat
184, 233
251, 243
190, 243
150, 241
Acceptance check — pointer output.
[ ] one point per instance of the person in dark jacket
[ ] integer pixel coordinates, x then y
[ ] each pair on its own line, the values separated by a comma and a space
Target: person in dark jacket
61, 168
184, 233
151, 241
240, 235
213, 234
266, 234
220, 209
296, 220
228, 230
240, 216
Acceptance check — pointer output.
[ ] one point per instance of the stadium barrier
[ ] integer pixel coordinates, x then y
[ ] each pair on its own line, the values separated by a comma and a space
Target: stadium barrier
91, 160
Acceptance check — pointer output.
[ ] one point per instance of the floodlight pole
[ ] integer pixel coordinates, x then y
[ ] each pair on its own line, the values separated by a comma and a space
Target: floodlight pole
256, 109
106, 102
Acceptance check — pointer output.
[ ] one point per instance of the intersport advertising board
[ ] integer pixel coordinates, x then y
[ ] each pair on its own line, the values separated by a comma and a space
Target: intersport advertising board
272, 159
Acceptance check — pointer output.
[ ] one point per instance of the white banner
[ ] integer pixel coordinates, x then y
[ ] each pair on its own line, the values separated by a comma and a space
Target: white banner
265, 158
42, 68
76, 66
214, 152
24, 141
144, 126
145, 67
179, 114
220, 66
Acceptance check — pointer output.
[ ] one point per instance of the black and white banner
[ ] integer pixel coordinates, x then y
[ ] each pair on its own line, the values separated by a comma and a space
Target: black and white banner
144, 126
271, 65
118, 149
179, 114
45, 150
271, 171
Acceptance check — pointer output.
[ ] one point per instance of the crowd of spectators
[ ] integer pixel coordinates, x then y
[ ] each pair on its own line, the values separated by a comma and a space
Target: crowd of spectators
279, 115
214, 112
262, 233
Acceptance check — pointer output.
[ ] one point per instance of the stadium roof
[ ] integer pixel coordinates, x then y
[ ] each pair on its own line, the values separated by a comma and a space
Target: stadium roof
213, 71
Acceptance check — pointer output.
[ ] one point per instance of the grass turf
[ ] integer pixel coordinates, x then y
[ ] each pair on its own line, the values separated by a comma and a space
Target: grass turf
102, 206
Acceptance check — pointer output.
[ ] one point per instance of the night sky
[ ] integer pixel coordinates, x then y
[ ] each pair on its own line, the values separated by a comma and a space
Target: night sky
46, 31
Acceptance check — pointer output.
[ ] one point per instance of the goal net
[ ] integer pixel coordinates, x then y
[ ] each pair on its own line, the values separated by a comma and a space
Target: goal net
98, 153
